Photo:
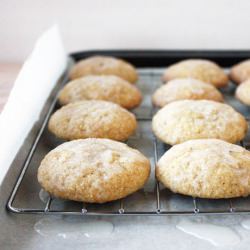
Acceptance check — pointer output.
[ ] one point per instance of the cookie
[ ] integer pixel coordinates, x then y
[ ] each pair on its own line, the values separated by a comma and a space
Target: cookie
240, 72
185, 88
104, 65
93, 170
206, 168
243, 92
108, 88
198, 119
204, 70
96, 119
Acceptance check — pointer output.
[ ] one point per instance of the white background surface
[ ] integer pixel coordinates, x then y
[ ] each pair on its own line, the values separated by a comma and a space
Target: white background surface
89, 24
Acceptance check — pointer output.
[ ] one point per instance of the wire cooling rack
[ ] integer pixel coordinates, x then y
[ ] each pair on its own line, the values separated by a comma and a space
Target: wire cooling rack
152, 200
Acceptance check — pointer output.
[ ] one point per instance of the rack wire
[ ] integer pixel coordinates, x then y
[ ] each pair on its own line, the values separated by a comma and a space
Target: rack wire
161, 203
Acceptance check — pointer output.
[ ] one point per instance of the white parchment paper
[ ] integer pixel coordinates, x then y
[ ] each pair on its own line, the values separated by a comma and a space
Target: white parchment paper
31, 89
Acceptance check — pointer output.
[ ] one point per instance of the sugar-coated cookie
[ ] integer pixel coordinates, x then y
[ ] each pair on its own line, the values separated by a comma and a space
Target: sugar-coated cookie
104, 65
95, 119
243, 92
198, 119
206, 168
201, 69
104, 87
185, 88
93, 170
240, 72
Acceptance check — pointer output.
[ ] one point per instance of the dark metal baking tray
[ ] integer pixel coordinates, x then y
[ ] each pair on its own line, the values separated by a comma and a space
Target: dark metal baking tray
27, 197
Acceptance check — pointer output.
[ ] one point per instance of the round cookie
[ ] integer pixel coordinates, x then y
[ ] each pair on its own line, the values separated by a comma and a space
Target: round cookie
93, 170
108, 88
198, 119
104, 65
204, 70
185, 88
206, 168
243, 92
96, 119
240, 72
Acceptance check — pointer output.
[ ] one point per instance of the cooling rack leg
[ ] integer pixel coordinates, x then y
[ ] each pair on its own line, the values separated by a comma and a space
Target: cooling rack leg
121, 209
158, 202
196, 209
231, 207
84, 208
48, 204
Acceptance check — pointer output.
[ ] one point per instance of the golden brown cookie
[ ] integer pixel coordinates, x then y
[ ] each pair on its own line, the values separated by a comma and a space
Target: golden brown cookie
96, 119
93, 170
206, 168
243, 92
201, 69
240, 72
107, 88
198, 119
104, 65
185, 88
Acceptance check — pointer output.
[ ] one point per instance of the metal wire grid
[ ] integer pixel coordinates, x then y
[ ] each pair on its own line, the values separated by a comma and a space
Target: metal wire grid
47, 210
